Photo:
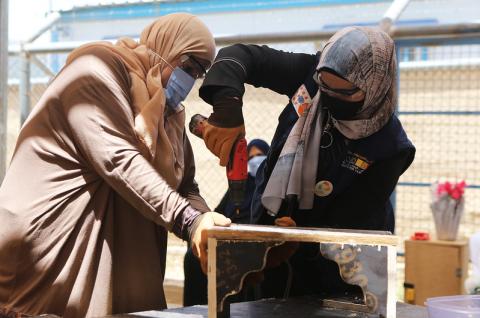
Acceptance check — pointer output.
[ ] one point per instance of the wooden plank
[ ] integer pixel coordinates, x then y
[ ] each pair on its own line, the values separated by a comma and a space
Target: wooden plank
212, 277
298, 234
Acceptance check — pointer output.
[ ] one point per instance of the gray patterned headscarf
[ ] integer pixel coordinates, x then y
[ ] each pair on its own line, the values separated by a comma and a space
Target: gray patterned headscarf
363, 56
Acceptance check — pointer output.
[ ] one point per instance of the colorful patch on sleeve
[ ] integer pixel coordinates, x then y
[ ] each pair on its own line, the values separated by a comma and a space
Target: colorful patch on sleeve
301, 100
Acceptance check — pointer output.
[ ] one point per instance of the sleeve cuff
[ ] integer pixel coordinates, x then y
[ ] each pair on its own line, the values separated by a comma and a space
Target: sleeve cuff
194, 226
182, 227
227, 110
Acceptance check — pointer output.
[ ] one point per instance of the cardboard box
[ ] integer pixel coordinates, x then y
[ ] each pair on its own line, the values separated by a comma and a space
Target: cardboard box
434, 268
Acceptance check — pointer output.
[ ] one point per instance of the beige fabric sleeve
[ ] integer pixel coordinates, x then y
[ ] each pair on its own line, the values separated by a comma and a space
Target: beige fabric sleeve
189, 187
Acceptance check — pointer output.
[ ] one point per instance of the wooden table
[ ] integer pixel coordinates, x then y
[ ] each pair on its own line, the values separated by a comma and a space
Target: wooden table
275, 308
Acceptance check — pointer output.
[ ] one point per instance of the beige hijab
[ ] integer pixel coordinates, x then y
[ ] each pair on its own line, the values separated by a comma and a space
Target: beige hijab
170, 37
365, 57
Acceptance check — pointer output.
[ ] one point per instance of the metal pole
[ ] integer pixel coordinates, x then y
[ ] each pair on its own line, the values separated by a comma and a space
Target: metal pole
50, 20
393, 13
35, 60
24, 88
3, 85
433, 34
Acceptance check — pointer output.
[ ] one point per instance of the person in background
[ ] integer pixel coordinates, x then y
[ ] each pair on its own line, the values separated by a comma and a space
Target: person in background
102, 170
195, 284
338, 150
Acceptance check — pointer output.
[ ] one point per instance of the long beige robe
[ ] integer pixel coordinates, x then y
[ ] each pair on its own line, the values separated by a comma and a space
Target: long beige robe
83, 214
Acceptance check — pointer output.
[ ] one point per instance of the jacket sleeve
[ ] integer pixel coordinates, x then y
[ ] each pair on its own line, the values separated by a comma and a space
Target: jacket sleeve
365, 204
259, 66
96, 107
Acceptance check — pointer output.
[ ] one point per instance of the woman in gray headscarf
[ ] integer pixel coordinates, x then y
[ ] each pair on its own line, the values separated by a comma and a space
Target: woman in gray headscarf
338, 150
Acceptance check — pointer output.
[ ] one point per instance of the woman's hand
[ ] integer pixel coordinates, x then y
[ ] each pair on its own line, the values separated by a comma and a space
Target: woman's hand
200, 238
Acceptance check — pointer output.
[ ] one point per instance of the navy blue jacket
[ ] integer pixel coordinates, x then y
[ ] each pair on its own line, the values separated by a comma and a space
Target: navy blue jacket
360, 197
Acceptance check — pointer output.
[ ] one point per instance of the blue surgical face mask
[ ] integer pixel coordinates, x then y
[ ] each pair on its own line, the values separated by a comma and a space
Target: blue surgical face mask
254, 163
178, 86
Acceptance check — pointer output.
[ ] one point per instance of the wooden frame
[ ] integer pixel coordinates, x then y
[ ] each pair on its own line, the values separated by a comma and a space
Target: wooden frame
228, 266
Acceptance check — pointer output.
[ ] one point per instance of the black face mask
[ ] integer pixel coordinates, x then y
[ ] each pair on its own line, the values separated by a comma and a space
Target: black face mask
340, 109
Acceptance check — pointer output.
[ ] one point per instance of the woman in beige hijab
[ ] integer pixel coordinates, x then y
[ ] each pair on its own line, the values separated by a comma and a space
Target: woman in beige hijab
101, 170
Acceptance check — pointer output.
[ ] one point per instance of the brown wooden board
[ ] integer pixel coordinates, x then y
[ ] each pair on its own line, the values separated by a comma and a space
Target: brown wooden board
298, 234
275, 308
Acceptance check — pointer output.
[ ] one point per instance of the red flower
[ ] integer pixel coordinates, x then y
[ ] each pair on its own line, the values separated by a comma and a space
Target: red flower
455, 191
456, 194
441, 189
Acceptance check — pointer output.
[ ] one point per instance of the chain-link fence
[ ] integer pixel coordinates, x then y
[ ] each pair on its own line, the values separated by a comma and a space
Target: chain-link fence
439, 106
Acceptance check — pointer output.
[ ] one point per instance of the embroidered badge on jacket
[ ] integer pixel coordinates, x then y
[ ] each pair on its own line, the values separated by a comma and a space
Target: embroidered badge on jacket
301, 100
356, 162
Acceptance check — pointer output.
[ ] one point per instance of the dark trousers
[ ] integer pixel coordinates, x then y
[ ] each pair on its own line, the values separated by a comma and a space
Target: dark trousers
195, 286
